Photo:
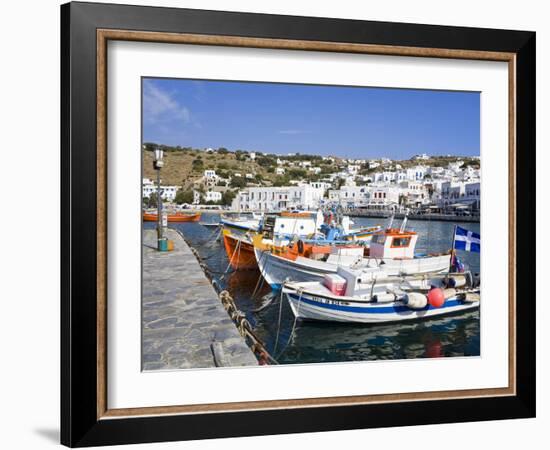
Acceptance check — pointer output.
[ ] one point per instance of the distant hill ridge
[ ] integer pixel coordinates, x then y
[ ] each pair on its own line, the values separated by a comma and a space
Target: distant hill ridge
184, 165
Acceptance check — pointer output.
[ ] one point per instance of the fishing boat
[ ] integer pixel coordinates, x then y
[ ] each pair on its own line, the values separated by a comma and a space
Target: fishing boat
391, 250
173, 217
339, 227
237, 237
371, 297
242, 222
239, 250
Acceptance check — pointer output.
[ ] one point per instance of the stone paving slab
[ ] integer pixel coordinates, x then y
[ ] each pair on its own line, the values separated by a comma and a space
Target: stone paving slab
183, 320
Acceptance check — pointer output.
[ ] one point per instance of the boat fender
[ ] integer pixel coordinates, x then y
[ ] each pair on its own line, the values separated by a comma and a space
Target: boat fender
449, 293
472, 297
455, 282
436, 297
415, 300
384, 298
301, 246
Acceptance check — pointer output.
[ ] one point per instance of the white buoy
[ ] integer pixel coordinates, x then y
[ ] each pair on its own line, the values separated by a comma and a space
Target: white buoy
415, 300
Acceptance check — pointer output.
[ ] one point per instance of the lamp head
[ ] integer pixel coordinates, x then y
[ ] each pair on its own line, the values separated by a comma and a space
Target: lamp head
158, 161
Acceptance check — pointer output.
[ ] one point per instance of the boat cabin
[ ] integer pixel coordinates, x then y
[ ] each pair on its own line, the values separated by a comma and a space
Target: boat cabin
393, 243
290, 224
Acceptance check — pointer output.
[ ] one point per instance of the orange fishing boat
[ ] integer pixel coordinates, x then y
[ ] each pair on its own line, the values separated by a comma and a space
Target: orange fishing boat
175, 217
239, 251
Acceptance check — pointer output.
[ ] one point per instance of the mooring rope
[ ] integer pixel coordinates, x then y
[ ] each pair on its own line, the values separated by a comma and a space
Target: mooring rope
261, 278
279, 321
293, 325
231, 259
245, 328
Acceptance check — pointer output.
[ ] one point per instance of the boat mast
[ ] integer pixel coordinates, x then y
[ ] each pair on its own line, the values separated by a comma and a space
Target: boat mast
391, 221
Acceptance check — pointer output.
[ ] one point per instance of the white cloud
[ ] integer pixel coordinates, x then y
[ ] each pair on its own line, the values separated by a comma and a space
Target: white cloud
160, 105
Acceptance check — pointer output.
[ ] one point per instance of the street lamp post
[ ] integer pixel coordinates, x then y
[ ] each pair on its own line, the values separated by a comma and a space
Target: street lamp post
158, 163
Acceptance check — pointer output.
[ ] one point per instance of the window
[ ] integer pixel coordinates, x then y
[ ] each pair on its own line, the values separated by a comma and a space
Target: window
400, 241
379, 239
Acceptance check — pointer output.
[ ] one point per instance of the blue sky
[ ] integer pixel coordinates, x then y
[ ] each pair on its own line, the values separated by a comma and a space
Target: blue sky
353, 122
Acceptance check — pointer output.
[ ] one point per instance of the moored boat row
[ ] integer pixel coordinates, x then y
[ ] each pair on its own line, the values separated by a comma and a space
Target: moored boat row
382, 277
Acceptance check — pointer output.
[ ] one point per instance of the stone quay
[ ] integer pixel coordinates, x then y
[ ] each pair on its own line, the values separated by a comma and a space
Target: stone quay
184, 325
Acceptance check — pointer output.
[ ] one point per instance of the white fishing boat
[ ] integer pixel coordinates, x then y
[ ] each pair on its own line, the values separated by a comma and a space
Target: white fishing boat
243, 223
370, 297
391, 250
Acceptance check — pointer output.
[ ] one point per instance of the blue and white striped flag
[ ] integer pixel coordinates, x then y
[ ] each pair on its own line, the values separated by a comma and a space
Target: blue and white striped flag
467, 240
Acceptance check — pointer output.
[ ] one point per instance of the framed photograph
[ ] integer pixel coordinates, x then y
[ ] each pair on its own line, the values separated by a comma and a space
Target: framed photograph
272, 224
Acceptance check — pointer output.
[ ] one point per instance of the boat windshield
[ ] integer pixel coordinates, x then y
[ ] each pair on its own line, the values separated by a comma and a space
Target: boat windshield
378, 239
401, 241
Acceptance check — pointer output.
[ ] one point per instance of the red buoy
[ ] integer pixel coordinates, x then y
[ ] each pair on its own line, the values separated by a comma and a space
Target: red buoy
436, 298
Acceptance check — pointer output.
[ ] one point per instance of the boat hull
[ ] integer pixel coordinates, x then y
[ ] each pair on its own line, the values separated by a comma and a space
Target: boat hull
240, 252
276, 270
317, 307
147, 217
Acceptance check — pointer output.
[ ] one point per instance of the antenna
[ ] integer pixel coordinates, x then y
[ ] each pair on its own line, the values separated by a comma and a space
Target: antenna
404, 223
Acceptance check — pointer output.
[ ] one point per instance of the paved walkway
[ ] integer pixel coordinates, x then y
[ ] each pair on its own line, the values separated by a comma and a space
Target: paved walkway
183, 322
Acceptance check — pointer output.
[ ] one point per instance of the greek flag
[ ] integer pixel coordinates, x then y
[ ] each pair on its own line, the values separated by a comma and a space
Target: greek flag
467, 240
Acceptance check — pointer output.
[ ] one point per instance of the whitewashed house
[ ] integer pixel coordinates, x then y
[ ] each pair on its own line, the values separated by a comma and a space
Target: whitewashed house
208, 196
167, 193
278, 198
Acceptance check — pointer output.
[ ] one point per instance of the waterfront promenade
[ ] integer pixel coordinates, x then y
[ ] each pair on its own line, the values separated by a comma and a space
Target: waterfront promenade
184, 324
412, 216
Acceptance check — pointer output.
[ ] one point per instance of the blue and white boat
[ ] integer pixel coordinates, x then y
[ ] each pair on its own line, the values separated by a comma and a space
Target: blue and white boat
382, 299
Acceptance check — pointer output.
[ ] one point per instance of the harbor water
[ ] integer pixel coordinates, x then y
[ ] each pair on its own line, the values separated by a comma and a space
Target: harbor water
316, 342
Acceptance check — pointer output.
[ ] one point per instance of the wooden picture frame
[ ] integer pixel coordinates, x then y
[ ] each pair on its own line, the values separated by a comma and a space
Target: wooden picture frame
85, 417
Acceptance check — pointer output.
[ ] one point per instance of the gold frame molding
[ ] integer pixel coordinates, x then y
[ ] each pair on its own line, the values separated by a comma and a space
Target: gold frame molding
103, 36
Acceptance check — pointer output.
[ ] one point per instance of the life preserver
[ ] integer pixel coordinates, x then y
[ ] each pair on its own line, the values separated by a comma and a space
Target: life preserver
300, 246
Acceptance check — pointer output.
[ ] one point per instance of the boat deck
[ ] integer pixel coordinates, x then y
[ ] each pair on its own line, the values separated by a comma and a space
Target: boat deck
184, 324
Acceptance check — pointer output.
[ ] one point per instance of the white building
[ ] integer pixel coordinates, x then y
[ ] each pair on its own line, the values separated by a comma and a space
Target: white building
415, 193
350, 196
416, 173
321, 185
280, 171
370, 197
210, 178
373, 164
384, 198
353, 169
166, 192
208, 196
451, 192
252, 155
472, 195
455, 166
315, 170
385, 177
283, 198
420, 157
